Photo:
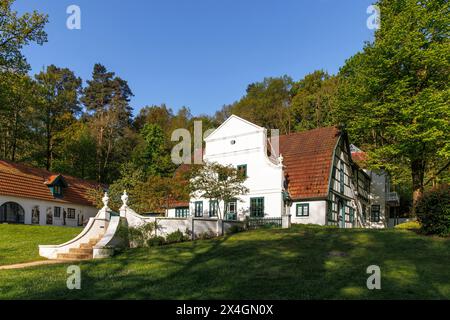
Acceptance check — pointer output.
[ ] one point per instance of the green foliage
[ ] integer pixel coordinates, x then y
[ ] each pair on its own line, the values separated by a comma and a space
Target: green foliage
433, 211
235, 229
106, 99
139, 236
17, 104
265, 103
393, 96
176, 236
206, 235
58, 106
156, 241
16, 32
75, 152
313, 101
217, 182
410, 225
153, 155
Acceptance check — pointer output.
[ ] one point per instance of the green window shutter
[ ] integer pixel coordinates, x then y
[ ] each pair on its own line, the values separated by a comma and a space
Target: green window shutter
213, 208
198, 209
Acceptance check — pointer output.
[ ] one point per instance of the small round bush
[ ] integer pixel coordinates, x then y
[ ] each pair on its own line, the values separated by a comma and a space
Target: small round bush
433, 211
234, 229
156, 241
176, 236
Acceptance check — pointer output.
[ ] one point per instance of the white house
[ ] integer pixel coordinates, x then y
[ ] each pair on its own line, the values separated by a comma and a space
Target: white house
35, 196
311, 176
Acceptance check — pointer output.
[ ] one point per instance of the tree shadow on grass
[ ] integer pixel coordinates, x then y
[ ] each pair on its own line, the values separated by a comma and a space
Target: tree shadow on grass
301, 263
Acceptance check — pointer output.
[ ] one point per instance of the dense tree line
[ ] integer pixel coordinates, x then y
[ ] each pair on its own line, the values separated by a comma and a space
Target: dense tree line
392, 97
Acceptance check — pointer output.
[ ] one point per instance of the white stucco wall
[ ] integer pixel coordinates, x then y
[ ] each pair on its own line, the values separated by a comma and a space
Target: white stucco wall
317, 213
264, 176
28, 204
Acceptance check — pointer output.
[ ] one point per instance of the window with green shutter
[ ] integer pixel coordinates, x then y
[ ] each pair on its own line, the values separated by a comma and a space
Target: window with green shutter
375, 213
302, 210
242, 168
213, 208
257, 207
198, 208
181, 212
352, 215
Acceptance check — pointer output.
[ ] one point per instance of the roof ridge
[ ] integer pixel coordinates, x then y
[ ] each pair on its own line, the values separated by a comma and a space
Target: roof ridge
307, 131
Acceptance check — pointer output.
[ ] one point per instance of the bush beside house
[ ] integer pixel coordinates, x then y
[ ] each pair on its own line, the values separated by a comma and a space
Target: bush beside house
433, 211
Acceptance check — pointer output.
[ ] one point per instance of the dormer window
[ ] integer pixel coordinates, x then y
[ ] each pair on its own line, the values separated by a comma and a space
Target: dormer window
56, 184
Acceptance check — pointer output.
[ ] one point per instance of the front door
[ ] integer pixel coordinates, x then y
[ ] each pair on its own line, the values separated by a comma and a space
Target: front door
341, 210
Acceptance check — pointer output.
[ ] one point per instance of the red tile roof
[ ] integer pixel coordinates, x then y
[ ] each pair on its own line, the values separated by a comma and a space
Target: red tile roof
308, 160
20, 180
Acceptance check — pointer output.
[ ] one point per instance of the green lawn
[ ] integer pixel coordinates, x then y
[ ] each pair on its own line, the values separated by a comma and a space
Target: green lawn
303, 262
19, 243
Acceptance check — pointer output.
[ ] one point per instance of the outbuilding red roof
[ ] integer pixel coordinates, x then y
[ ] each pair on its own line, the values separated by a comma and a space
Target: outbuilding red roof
308, 160
20, 180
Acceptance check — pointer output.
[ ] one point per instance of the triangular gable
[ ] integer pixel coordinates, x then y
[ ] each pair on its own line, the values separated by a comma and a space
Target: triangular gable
233, 126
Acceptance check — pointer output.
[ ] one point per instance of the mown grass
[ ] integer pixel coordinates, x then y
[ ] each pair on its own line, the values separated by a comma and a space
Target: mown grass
19, 243
304, 262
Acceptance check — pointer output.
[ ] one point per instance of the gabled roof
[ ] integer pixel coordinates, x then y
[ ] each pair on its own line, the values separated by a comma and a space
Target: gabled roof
230, 119
307, 157
20, 180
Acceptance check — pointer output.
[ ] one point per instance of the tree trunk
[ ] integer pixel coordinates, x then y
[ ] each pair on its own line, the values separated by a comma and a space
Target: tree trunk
417, 172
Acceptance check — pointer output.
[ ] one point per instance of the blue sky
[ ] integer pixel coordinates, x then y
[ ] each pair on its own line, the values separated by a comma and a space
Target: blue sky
200, 53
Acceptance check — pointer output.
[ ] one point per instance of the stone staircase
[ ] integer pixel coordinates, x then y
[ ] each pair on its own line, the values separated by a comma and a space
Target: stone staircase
83, 252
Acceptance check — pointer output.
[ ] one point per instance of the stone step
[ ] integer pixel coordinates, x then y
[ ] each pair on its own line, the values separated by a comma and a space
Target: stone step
80, 250
86, 246
73, 256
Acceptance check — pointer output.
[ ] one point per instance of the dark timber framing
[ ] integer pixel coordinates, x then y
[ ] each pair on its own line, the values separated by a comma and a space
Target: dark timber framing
345, 175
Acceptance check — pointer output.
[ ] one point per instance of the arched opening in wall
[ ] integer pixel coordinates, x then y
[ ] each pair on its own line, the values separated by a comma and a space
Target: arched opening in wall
12, 212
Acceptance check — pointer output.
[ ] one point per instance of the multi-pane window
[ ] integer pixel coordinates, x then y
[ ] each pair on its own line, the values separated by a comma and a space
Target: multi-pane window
242, 168
57, 190
302, 210
70, 213
57, 212
213, 208
375, 213
231, 206
352, 214
341, 178
181, 212
198, 208
257, 207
